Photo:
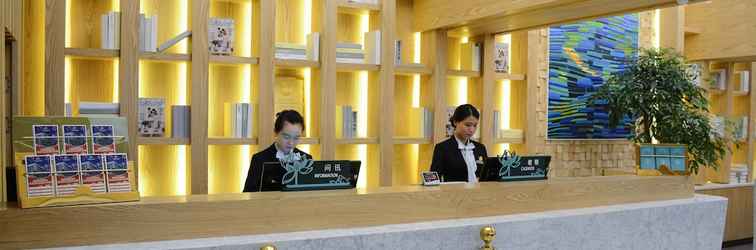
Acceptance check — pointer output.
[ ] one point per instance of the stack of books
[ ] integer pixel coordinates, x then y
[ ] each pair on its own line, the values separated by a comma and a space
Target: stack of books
740, 132
148, 30
95, 109
744, 77
720, 79
346, 122
238, 117
349, 53
293, 51
110, 34
738, 173
718, 125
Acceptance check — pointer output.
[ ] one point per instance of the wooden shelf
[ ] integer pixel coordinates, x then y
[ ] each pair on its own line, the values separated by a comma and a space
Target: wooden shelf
740, 93
162, 141
515, 136
92, 53
463, 73
715, 91
294, 63
234, 60
165, 57
368, 140
309, 140
511, 77
231, 141
345, 6
691, 31
412, 69
350, 67
412, 140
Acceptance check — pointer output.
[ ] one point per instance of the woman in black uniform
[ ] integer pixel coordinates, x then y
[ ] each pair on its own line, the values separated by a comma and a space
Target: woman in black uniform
459, 157
288, 128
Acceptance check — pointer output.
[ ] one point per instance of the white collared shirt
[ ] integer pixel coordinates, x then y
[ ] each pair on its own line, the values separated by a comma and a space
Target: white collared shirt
469, 157
280, 155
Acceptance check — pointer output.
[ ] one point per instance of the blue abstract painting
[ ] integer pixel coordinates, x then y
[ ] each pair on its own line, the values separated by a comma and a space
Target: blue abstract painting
581, 57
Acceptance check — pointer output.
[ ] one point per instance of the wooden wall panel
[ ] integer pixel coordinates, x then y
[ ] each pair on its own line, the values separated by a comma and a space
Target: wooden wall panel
725, 30
739, 220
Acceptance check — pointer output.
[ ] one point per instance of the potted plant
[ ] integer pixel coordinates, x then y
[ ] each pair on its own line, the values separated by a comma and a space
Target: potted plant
661, 96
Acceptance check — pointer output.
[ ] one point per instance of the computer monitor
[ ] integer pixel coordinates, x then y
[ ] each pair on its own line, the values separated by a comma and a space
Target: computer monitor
530, 168
324, 175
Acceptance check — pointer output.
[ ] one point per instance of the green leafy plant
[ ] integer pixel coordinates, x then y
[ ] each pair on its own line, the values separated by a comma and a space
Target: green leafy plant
659, 92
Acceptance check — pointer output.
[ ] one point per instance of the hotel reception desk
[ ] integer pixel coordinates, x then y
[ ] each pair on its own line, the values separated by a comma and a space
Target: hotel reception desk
617, 212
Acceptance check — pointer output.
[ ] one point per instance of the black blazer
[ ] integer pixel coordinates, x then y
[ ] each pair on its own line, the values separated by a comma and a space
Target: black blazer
449, 163
252, 184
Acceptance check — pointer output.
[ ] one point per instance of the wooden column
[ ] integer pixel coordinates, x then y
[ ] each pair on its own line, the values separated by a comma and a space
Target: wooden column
751, 125
533, 129
328, 80
489, 81
3, 125
199, 100
267, 73
128, 76
438, 80
386, 115
55, 41
672, 28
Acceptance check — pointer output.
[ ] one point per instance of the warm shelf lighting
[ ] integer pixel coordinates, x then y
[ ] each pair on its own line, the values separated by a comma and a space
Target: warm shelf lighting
657, 28
115, 81
415, 91
67, 80
416, 54
181, 170
461, 90
307, 77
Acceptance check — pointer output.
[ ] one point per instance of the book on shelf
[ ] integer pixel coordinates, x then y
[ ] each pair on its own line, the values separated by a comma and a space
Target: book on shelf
470, 56
449, 125
221, 36
717, 125
695, 70
720, 79
398, 52
180, 121
349, 53
291, 51
744, 78
496, 124
740, 130
501, 57
110, 34
173, 41
346, 121
148, 30
424, 127
151, 120
238, 119
313, 46
372, 47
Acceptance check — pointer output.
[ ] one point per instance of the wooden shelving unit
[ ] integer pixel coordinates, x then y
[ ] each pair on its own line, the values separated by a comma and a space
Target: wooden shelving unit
234, 60
231, 141
165, 57
91, 53
162, 141
292, 63
187, 74
412, 69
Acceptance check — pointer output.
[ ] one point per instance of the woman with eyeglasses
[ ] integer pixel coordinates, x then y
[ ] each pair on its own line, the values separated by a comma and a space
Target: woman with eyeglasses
459, 157
288, 128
